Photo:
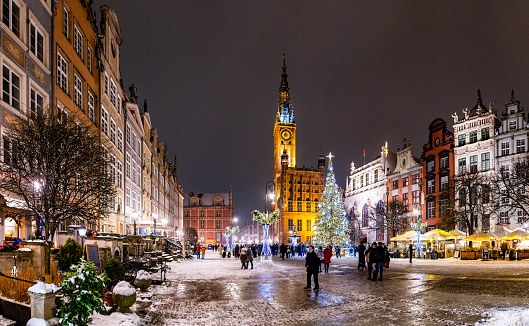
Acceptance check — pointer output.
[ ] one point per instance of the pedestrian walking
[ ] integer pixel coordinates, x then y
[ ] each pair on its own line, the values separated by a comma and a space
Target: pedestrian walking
242, 257
410, 248
282, 251
311, 263
370, 258
337, 248
221, 250
320, 254
503, 249
362, 256
203, 251
249, 258
198, 251
380, 261
387, 256
327, 253
236, 251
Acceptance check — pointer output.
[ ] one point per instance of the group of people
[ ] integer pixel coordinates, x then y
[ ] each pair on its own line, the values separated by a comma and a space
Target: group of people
246, 255
199, 250
377, 257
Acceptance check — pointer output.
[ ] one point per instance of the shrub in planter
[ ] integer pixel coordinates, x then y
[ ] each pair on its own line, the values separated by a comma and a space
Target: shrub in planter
83, 291
114, 270
69, 254
143, 280
124, 296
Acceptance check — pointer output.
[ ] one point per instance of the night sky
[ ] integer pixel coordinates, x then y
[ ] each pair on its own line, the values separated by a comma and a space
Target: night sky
360, 73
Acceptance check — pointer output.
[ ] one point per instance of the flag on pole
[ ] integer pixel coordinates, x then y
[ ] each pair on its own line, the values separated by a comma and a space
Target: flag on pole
364, 152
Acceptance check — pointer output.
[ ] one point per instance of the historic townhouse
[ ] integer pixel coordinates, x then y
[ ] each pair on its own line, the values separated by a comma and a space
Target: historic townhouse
298, 189
403, 184
365, 190
133, 164
26, 58
210, 214
112, 118
511, 147
474, 151
438, 169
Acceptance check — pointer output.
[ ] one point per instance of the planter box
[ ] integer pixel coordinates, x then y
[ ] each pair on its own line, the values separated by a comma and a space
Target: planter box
468, 255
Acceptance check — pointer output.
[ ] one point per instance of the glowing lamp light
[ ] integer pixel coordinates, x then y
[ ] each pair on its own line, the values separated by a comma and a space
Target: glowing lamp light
82, 232
271, 196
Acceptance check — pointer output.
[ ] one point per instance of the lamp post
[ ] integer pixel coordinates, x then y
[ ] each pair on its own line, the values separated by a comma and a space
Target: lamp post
269, 193
154, 217
82, 233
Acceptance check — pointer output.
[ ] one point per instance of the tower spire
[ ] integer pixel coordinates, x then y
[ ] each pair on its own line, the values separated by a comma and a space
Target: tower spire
284, 91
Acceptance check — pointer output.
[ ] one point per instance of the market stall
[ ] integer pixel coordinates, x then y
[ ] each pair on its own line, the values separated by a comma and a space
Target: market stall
476, 243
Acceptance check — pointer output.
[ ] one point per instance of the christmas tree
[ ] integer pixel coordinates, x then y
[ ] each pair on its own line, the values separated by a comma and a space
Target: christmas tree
331, 223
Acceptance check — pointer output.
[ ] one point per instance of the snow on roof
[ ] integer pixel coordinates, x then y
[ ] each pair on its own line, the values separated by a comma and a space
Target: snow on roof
206, 199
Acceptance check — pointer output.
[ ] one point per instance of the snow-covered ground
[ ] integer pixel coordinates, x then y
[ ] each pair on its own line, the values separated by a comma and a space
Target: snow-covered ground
215, 291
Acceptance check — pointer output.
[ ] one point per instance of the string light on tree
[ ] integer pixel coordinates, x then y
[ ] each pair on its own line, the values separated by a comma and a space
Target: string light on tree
332, 226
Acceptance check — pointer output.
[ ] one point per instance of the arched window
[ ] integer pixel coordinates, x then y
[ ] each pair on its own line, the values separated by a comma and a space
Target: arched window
380, 221
365, 216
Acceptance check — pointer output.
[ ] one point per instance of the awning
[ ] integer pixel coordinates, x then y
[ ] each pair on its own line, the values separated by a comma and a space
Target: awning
408, 236
480, 236
500, 232
437, 234
517, 234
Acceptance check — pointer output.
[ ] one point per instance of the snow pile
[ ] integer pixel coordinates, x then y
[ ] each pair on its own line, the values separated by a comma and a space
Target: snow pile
143, 275
269, 265
124, 288
507, 317
24, 249
43, 288
116, 319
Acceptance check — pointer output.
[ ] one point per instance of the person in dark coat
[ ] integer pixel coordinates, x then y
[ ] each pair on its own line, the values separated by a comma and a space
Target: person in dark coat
236, 251
370, 259
411, 251
361, 256
312, 263
380, 261
282, 250
504, 248
249, 257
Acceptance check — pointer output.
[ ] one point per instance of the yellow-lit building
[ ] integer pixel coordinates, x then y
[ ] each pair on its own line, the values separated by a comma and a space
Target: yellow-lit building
298, 190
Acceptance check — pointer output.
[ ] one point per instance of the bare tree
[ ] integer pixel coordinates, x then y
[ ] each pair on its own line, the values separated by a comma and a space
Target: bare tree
58, 169
510, 189
467, 199
391, 216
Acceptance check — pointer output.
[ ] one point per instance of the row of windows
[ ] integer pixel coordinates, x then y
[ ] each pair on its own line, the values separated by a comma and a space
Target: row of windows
443, 163
473, 136
13, 13
63, 74
299, 225
405, 198
110, 90
299, 207
365, 179
132, 200
505, 218
520, 147
485, 163
202, 224
79, 39
405, 180
202, 213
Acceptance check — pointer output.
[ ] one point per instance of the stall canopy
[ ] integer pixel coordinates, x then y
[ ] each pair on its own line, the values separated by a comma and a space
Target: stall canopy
500, 232
517, 234
457, 234
480, 236
408, 236
437, 234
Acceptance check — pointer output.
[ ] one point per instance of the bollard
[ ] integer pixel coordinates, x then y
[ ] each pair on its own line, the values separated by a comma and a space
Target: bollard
42, 304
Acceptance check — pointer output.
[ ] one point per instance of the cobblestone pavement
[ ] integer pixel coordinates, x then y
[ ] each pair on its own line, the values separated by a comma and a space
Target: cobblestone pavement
216, 291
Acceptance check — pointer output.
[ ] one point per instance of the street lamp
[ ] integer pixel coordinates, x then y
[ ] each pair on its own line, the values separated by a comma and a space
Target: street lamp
269, 193
154, 217
82, 233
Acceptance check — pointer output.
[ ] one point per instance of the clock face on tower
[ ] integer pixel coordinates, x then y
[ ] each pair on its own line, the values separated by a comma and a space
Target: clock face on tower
285, 134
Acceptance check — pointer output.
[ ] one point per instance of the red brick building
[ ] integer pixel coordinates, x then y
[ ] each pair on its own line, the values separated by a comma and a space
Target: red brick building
210, 214
438, 170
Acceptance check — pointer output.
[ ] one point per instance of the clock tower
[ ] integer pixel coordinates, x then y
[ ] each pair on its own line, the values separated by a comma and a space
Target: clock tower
284, 129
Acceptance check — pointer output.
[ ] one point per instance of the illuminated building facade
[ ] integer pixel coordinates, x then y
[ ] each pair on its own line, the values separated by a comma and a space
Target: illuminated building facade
298, 189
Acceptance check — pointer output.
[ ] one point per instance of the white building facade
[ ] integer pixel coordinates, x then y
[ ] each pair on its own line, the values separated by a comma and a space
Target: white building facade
511, 147
365, 189
474, 149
